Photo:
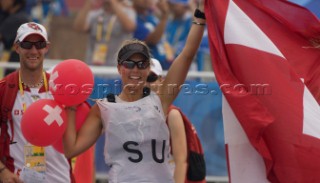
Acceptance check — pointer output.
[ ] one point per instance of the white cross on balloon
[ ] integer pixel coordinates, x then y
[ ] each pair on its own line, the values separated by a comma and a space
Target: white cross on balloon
54, 114
53, 77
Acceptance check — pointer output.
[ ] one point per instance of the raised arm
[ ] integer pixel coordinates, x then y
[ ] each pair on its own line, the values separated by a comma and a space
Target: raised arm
178, 70
126, 19
155, 36
77, 142
80, 22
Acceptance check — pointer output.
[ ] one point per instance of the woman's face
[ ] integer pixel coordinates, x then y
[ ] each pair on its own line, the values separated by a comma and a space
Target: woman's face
134, 76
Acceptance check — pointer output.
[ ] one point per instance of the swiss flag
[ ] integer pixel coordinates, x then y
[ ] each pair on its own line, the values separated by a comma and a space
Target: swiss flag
266, 58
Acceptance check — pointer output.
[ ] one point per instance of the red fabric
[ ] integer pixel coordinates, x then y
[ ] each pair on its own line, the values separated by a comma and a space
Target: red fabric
7, 103
193, 141
273, 120
84, 171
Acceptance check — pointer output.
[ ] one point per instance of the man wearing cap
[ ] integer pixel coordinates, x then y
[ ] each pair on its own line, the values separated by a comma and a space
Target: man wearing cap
18, 91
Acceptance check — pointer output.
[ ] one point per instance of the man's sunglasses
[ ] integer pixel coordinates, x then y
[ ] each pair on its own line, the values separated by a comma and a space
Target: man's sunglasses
28, 45
129, 64
152, 77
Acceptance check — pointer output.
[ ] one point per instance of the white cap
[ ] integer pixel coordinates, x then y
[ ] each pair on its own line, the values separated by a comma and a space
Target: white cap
156, 67
31, 28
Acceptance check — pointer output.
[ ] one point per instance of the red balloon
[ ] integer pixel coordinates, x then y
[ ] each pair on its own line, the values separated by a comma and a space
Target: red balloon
71, 82
43, 122
81, 114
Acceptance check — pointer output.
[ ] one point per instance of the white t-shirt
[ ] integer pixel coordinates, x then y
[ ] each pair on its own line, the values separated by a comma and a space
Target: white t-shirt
137, 145
57, 166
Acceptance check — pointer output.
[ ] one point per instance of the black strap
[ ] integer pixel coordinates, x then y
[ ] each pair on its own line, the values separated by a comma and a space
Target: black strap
146, 91
111, 97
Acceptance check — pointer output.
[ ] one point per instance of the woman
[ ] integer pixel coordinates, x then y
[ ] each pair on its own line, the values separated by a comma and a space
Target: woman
183, 137
137, 137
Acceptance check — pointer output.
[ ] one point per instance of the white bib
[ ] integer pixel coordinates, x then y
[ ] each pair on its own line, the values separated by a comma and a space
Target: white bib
137, 143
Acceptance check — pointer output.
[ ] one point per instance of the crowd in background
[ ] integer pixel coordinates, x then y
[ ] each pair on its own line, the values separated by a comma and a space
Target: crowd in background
163, 25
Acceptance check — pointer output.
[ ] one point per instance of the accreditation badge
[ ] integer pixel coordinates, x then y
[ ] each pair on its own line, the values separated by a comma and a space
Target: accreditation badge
29, 175
100, 54
34, 158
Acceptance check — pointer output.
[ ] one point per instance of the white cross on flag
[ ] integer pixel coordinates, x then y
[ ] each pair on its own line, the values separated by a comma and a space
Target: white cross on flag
272, 125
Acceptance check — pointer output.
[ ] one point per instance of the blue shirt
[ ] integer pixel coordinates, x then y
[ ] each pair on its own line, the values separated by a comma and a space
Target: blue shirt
177, 33
146, 25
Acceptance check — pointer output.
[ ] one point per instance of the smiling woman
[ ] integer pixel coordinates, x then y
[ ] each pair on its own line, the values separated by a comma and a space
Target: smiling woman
134, 67
137, 146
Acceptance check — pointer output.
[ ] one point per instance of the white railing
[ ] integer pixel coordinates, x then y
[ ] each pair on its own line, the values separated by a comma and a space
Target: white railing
105, 71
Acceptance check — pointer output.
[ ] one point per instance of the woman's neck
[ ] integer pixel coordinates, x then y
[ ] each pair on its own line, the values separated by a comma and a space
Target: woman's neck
131, 95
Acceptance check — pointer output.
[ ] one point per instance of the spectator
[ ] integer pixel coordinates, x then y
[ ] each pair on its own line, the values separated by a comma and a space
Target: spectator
137, 137
18, 91
12, 16
108, 27
151, 30
178, 26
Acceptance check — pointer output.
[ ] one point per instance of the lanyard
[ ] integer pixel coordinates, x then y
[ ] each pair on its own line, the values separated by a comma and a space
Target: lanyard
24, 105
109, 28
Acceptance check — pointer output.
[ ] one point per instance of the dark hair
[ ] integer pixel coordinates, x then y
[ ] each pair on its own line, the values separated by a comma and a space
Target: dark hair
131, 47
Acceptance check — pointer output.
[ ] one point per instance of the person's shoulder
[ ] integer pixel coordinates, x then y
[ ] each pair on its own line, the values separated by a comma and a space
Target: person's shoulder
19, 16
10, 78
12, 22
3, 81
3, 84
174, 112
7, 78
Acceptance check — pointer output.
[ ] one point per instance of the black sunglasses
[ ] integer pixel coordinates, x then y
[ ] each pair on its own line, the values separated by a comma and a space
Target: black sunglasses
28, 45
129, 64
152, 77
